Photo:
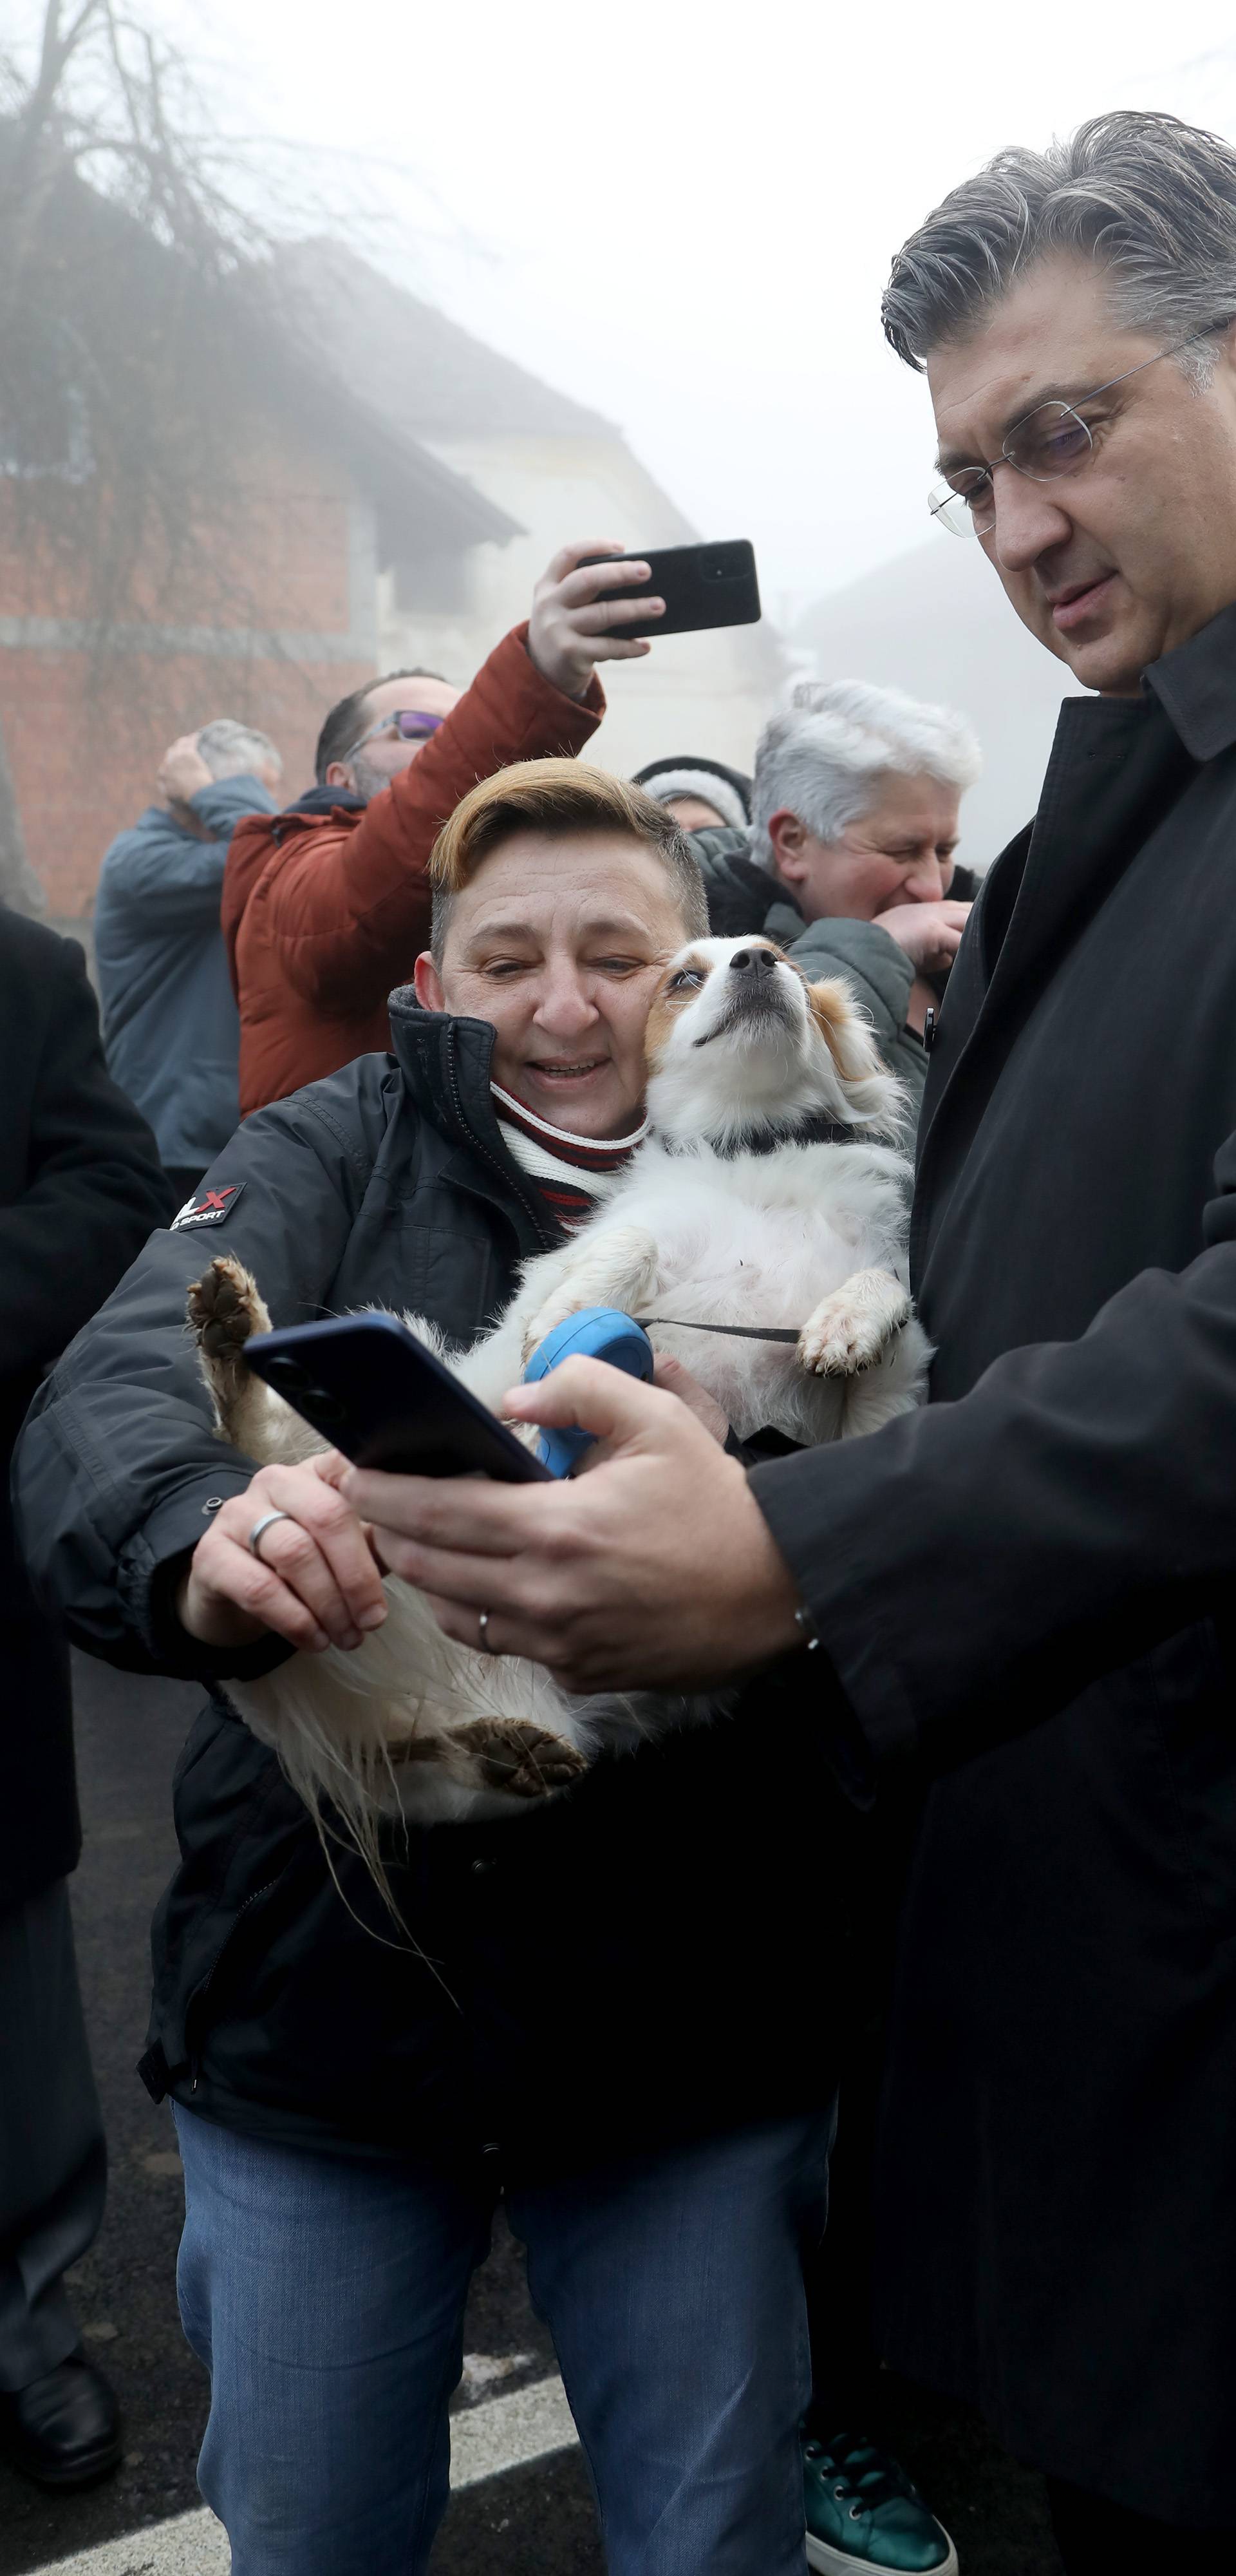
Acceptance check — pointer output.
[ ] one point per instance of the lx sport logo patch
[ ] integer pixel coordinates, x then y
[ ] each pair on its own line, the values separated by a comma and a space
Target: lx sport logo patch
209, 1207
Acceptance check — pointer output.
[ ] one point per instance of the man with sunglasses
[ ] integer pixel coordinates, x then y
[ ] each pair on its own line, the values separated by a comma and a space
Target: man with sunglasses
1020, 1599
326, 905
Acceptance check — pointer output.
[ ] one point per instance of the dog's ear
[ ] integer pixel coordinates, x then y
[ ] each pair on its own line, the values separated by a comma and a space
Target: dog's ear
846, 1033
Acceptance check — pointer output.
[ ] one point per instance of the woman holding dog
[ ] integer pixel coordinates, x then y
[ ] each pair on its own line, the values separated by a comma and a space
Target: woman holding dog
593, 2009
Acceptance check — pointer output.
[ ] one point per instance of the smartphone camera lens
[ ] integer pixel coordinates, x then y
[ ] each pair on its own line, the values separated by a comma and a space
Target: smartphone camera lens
285, 1372
326, 1409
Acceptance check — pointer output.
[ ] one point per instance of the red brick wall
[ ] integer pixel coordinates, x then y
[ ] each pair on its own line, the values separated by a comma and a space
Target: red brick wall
85, 725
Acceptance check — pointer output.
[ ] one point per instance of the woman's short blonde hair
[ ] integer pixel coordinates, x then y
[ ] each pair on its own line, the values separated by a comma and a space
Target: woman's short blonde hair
567, 801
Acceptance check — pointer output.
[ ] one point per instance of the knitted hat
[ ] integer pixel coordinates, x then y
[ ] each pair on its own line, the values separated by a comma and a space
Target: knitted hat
726, 790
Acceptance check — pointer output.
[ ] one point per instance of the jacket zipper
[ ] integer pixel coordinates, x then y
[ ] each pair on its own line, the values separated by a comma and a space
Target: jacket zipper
545, 1237
254, 1897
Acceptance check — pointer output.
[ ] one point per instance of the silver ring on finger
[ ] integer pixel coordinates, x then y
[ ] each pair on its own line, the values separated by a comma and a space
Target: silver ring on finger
483, 1644
265, 1523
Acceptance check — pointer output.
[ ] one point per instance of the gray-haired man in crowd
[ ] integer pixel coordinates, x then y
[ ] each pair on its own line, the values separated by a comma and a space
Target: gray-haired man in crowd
169, 1014
849, 860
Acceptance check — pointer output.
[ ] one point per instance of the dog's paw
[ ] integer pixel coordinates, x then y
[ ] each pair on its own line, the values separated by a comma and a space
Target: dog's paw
846, 1335
620, 1269
511, 1753
225, 1309
569, 1300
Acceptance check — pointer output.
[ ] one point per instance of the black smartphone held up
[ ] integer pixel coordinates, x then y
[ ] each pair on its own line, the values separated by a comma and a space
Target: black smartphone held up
374, 1391
701, 586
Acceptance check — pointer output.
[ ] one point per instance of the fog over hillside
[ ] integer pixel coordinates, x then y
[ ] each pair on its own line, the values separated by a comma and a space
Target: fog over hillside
936, 622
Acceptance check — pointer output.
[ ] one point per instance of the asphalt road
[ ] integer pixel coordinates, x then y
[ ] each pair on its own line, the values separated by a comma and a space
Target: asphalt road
530, 2520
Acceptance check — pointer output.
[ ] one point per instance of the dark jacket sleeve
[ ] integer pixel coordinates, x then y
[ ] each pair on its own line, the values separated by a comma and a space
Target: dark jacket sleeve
982, 1561
880, 975
879, 971
94, 1187
119, 1467
172, 880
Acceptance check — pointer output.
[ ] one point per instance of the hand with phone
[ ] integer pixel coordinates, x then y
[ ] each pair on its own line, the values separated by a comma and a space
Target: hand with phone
315, 1582
568, 633
368, 1382
392, 1404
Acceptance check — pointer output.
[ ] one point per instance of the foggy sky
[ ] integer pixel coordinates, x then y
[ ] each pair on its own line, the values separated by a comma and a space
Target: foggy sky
683, 213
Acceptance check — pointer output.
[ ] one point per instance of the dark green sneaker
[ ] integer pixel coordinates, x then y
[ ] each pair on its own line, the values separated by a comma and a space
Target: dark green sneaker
863, 2512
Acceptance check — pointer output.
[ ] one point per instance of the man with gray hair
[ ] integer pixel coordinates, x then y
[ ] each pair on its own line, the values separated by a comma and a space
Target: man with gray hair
170, 1023
1023, 1593
855, 823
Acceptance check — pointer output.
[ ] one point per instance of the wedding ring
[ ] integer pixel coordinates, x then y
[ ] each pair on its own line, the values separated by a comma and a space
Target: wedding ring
257, 1529
483, 1623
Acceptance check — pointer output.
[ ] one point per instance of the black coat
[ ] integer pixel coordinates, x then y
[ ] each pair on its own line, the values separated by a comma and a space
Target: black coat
1030, 1588
80, 1188
618, 1968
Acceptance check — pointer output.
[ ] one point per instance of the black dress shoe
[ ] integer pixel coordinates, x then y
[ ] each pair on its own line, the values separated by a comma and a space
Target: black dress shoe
64, 2429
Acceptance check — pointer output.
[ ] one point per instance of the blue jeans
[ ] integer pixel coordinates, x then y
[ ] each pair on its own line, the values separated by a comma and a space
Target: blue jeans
326, 2299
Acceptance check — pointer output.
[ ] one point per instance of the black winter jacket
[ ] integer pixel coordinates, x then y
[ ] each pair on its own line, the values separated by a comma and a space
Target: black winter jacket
80, 1189
1033, 1583
614, 1971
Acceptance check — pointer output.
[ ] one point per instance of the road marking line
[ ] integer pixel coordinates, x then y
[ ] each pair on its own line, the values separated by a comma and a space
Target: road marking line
506, 2432
191, 2544
501, 2434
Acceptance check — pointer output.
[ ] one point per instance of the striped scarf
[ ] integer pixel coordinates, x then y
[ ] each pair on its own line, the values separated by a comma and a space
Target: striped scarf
570, 1172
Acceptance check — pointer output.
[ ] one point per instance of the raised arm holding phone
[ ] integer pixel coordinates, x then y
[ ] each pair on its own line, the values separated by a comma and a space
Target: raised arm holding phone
326, 905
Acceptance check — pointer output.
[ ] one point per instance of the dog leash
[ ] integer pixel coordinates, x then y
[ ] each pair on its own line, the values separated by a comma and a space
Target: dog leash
733, 1332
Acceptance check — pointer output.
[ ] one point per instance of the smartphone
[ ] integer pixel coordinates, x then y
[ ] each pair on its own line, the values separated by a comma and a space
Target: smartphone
701, 586
374, 1391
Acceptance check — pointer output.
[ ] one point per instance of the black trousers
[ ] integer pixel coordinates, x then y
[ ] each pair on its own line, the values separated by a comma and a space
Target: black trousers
866, 1861
53, 2160
1098, 2539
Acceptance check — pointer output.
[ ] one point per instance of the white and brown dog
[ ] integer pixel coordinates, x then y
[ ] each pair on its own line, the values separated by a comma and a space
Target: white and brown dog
768, 1197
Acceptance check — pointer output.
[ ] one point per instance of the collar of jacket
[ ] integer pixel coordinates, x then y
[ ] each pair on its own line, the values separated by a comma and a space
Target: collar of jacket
316, 806
445, 1062
326, 800
1196, 687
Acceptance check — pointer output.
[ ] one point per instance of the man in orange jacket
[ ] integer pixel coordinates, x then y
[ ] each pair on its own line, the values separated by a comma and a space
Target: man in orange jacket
326, 906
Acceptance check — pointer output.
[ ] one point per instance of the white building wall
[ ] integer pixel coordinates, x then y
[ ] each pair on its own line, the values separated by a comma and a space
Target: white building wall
707, 694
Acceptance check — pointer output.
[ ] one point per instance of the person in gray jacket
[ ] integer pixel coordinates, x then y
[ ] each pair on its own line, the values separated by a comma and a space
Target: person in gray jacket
849, 858
169, 1014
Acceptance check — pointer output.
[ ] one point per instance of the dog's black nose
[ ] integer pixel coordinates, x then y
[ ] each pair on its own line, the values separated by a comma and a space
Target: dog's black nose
753, 962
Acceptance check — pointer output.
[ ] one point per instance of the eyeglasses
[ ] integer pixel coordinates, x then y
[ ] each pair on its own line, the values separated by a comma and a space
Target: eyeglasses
409, 723
1051, 441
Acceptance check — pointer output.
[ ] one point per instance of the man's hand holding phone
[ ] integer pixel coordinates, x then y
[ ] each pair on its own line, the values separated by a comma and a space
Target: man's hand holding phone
315, 1581
568, 632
